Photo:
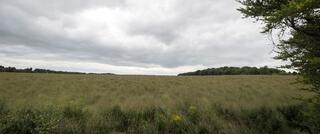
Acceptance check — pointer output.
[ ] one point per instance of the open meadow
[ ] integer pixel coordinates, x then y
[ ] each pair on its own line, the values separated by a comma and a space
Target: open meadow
96, 92
148, 104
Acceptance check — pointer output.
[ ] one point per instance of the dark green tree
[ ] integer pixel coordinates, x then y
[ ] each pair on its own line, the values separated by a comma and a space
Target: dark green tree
237, 71
297, 22
299, 25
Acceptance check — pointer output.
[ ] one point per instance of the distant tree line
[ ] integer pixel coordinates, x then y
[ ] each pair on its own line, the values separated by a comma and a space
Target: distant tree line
37, 70
238, 71
13, 69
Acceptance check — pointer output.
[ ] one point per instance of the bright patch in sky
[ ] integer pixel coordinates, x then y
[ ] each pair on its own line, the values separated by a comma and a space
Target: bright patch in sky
130, 36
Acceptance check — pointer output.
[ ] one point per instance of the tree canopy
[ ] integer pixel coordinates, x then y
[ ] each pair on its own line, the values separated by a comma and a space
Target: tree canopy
38, 70
299, 24
236, 71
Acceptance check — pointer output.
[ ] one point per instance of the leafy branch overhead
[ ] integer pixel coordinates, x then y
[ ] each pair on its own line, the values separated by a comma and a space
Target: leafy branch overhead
301, 20
284, 13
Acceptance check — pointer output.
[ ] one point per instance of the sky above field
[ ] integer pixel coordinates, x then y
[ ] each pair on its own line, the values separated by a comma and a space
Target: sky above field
163, 37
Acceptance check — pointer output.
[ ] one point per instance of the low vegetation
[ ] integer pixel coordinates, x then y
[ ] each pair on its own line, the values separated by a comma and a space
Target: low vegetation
186, 120
135, 92
60, 103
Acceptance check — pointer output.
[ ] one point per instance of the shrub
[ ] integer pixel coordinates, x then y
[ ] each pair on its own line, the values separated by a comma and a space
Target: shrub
266, 120
73, 121
187, 120
23, 121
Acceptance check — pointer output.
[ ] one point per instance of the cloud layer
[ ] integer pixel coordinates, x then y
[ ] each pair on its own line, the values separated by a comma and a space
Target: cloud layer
129, 36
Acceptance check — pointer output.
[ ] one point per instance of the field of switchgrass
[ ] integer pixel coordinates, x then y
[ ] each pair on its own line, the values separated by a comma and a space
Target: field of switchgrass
60, 103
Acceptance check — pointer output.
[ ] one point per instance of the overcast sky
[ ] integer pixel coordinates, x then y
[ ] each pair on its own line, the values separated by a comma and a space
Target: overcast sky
162, 37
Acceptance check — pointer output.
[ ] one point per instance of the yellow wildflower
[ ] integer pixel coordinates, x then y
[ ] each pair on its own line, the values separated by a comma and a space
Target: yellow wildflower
177, 118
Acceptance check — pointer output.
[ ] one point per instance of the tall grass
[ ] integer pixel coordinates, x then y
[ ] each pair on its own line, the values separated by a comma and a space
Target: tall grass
135, 92
188, 120
58, 103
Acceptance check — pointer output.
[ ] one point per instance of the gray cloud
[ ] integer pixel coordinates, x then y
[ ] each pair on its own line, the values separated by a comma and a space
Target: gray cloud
141, 36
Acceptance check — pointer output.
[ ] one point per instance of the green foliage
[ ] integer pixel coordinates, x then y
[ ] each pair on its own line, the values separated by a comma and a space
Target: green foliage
299, 18
187, 120
312, 115
21, 122
29, 121
267, 121
73, 121
236, 71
